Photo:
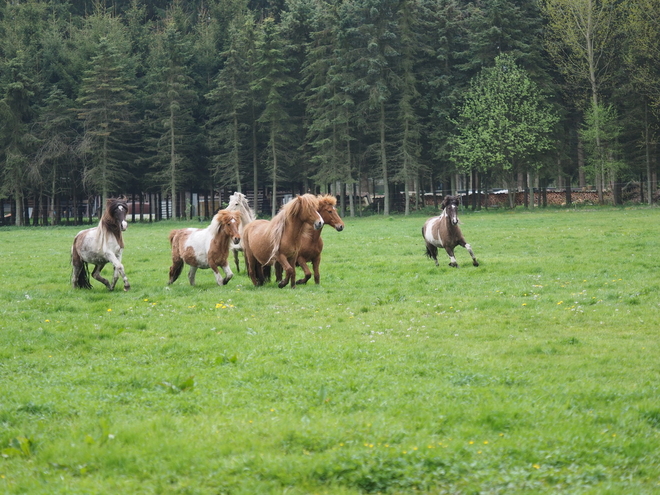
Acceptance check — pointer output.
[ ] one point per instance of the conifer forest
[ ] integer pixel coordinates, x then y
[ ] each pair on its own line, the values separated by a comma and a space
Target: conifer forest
383, 103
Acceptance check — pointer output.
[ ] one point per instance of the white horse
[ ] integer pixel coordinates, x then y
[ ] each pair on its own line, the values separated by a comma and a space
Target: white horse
99, 246
238, 202
443, 231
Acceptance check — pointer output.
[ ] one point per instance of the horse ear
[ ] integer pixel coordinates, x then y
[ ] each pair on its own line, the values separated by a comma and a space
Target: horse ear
445, 202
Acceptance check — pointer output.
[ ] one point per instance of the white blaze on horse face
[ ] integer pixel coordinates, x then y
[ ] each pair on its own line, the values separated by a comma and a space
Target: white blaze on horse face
451, 212
318, 225
124, 223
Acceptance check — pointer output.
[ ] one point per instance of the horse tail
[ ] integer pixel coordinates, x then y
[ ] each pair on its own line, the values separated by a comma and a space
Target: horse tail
431, 251
82, 279
172, 235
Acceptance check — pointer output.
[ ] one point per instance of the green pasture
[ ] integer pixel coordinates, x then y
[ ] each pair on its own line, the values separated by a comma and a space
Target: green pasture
536, 372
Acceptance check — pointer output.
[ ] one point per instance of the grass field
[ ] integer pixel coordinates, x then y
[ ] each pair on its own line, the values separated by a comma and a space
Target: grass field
536, 372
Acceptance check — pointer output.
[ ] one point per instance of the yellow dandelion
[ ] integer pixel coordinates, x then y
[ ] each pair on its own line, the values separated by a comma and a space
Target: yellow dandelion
560, 302
536, 466
145, 300
109, 309
471, 442
524, 304
47, 321
485, 442
478, 451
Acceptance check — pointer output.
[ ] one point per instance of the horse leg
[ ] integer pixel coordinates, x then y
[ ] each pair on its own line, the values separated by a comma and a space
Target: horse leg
119, 271
238, 268
290, 272
452, 259
191, 275
80, 275
218, 277
278, 272
432, 252
469, 250
96, 273
251, 264
316, 262
303, 264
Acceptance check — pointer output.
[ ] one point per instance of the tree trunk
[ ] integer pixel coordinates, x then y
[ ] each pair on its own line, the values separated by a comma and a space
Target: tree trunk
383, 161
274, 152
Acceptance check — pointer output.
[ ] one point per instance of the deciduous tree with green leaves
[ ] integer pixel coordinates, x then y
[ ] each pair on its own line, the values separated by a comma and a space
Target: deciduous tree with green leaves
503, 123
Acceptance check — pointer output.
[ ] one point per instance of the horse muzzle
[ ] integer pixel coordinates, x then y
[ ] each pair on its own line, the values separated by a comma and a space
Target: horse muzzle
237, 240
339, 227
124, 225
318, 225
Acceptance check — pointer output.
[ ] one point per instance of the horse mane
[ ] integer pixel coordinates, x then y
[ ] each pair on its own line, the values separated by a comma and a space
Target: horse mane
239, 202
225, 216
305, 204
327, 199
108, 223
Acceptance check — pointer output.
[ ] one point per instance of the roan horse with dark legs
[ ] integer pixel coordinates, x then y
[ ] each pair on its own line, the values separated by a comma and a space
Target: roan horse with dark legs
205, 248
99, 246
238, 202
443, 231
312, 244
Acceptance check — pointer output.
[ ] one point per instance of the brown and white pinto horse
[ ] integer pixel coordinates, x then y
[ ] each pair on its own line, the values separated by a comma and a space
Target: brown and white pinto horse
312, 244
279, 240
238, 202
101, 245
443, 231
205, 248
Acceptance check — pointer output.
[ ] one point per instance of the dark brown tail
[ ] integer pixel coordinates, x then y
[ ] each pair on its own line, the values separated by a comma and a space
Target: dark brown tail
431, 251
82, 280
175, 270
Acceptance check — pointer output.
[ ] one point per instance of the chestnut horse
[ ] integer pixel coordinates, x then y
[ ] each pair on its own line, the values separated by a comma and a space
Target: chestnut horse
101, 245
312, 244
279, 240
443, 231
238, 202
205, 248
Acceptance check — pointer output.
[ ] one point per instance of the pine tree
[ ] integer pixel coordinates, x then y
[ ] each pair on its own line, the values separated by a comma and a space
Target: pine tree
171, 117
329, 107
229, 100
105, 109
273, 81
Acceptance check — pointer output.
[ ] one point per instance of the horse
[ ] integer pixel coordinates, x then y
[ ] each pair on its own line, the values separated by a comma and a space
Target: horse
312, 244
101, 245
443, 231
205, 248
279, 240
238, 202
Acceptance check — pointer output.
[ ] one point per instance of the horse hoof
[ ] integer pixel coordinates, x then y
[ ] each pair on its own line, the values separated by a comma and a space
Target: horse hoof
475, 263
127, 288
453, 265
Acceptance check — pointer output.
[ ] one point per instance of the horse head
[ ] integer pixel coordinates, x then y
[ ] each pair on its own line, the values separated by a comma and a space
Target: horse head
450, 205
115, 213
306, 208
229, 222
328, 211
